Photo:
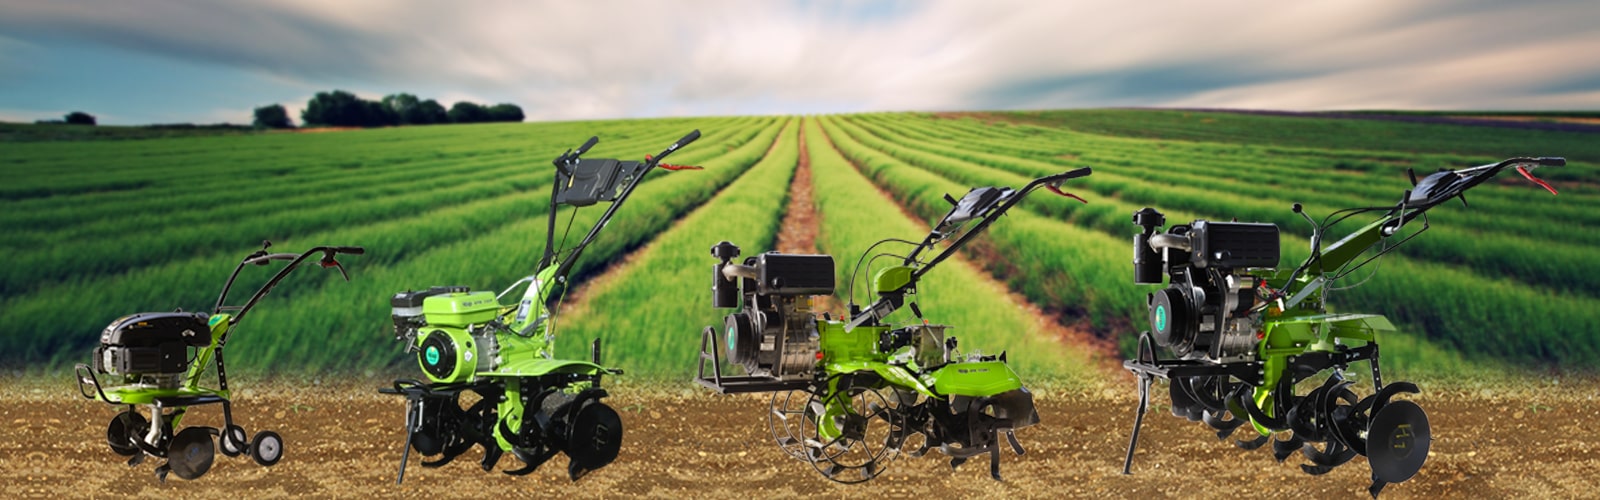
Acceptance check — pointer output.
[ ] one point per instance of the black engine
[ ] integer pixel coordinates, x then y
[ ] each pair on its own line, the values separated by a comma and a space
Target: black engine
775, 332
1204, 311
151, 347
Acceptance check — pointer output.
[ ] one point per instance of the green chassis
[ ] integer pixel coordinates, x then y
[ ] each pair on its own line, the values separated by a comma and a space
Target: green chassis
523, 373
189, 392
850, 352
1298, 335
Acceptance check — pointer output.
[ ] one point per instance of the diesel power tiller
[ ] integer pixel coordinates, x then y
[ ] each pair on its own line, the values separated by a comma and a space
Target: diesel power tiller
848, 394
524, 400
156, 359
1241, 333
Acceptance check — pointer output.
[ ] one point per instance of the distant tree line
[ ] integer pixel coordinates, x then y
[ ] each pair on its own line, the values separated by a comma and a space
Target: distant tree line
343, 109
73, 118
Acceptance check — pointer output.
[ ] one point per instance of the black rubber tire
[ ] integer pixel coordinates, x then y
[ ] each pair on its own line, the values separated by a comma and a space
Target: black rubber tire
234, 441
191, 453
267, 448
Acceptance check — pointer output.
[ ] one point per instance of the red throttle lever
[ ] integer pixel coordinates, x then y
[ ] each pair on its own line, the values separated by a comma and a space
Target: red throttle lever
1057, 190
675, 168
1547, 187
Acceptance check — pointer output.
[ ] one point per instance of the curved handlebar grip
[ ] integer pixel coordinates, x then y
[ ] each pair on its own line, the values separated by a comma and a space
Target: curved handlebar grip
350, 250
585, 147
688, 139
674, 147
1052, 179
1552, 161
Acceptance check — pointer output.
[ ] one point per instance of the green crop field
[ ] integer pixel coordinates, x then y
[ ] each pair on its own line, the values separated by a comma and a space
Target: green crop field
99, 226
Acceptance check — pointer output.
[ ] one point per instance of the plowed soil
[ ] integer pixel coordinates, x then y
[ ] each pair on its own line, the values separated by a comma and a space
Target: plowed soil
1531, 440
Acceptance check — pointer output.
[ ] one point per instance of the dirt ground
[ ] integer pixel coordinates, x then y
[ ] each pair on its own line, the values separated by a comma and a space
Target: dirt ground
343, 440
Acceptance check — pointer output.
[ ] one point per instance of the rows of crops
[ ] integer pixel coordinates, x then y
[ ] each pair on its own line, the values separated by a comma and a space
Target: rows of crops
1486, 306
57, 320
97, 229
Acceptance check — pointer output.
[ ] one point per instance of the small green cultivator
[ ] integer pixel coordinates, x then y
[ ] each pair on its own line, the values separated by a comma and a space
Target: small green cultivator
155, 360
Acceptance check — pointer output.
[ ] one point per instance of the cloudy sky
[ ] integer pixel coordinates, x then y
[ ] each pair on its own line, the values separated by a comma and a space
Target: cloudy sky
162, 61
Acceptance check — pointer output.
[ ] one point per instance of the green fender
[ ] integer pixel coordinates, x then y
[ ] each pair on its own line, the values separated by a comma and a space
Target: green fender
538, 367
895, 375
510, 409
976, 379
1298, 334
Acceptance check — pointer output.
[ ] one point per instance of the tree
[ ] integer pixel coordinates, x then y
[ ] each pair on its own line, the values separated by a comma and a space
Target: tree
467, 112
375, 114
273, 116
405, 107
430, 112
80, 118
336, 109
506, 112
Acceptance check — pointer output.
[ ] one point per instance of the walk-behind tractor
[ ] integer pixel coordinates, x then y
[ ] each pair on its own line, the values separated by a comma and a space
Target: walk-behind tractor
1243, 334
848, 396
156, 359
523, 400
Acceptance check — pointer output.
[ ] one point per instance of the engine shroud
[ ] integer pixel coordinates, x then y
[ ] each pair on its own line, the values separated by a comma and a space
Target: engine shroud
155, 343
775, 333
1205, 311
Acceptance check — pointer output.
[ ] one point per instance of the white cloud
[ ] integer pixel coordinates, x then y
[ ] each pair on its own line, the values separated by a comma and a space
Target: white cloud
612, 58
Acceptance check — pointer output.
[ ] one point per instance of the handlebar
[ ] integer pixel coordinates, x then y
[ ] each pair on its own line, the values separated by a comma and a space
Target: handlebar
1445, 184
569, 156
1058, 178
593, 139
261, 257
691, 137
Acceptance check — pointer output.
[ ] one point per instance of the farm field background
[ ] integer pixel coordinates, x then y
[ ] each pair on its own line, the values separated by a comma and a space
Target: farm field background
95, 229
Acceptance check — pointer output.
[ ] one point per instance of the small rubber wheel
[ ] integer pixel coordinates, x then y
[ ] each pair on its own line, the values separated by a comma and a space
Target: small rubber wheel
234, 441
191, 453
124, 428
266, 448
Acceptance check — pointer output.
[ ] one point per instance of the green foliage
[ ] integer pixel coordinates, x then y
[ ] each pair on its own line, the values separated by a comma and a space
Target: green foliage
1320, 132
505, 112
273, 116
467, 112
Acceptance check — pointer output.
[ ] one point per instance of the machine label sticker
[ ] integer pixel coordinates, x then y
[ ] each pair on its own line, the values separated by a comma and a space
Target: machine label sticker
433, 355
1161, 318
1402, 439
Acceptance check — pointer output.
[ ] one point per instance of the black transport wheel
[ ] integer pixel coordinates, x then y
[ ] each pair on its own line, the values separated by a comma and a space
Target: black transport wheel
267, 448
234, 441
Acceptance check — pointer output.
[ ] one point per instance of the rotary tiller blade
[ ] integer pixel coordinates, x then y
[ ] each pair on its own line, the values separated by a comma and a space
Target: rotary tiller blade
594, 439
1282, 448
1224, 428
1397, 441
1251, 444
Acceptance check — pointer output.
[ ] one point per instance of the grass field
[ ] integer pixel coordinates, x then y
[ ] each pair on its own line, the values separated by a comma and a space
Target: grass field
95, 229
